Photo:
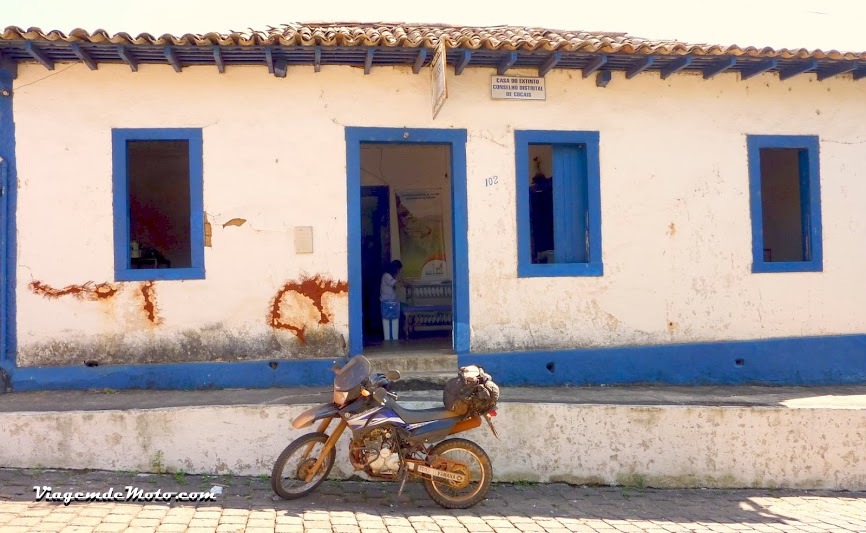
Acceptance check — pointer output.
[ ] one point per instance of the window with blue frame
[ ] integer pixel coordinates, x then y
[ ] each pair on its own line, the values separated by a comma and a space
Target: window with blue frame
158, 207
558, 203
785, 203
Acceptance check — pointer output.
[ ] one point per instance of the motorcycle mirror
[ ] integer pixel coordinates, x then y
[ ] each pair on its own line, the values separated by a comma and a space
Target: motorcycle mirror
392, 375
380, 394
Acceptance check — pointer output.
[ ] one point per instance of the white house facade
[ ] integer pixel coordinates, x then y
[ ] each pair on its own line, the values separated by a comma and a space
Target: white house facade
214, 211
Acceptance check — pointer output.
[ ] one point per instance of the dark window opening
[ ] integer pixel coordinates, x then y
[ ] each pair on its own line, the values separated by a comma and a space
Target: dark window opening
558, 204
159, 204
785, 204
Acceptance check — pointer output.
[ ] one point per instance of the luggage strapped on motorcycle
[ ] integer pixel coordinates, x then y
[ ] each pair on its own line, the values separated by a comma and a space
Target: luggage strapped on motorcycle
471, 393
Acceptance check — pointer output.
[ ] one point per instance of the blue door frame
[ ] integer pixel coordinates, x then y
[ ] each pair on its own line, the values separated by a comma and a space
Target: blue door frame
456, 140
8, 194
3, 266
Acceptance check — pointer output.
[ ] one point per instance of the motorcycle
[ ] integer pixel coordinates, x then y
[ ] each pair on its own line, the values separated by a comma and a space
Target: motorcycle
389, 442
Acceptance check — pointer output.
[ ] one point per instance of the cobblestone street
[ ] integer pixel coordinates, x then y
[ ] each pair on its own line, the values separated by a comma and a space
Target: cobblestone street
247, 504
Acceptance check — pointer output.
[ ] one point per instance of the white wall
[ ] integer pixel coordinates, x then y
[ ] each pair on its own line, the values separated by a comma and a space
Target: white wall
645, 445
674, 192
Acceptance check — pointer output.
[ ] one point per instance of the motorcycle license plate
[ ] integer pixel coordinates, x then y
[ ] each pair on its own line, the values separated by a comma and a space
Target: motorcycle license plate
457, 478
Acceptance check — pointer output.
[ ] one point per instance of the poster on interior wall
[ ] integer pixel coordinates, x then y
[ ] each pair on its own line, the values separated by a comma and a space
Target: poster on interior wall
422, 243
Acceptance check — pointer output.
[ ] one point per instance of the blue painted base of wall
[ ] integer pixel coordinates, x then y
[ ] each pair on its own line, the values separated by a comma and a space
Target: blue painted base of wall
186, 376
834, 360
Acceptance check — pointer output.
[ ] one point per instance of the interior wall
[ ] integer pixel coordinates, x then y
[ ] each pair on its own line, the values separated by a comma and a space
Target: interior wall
159, 198
780, 197
544, 153
407, 168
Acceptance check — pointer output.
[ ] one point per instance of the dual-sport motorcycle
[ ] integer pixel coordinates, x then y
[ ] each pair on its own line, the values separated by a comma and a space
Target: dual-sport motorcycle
392, 443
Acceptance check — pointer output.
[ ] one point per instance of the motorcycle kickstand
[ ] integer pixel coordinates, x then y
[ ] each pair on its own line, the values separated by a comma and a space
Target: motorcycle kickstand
402, 486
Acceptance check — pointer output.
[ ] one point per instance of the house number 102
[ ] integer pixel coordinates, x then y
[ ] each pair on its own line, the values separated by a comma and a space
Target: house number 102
491, 181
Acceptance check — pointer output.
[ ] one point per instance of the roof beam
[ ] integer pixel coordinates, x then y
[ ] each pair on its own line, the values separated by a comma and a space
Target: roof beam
465, 57
507, 62
790, 72
836, 70
84, 56
172, 58
639, 67
859, 73
218, 59
719, 66
368, 60
126, 56
758, 68
594, 65
281, 67
419, 61
39, 55
549, 63
317, 60
269, 58
675, 67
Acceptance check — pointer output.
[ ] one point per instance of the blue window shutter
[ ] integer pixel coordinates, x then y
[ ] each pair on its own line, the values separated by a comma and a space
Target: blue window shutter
805, 205
569, 203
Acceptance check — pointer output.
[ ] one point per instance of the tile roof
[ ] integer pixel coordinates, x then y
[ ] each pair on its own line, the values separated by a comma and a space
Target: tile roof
402, 35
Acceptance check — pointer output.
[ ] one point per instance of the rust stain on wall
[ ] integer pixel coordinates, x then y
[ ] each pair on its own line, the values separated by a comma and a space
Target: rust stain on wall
86, 291
672, 229
314, 288
100, 291
148, 292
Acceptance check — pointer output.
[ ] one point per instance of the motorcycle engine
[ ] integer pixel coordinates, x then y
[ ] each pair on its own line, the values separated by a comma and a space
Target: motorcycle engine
376, 453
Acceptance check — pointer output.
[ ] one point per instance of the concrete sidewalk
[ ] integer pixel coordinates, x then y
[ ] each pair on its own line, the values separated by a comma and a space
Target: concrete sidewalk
248, 504
851, 397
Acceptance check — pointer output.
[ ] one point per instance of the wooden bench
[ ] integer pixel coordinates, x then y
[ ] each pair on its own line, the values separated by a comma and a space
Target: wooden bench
428, 307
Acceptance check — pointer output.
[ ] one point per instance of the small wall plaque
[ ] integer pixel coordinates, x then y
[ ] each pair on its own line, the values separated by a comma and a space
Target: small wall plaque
303, 239
517, 88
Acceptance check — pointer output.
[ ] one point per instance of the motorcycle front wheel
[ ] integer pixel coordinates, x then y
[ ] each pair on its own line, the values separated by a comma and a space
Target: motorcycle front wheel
452, 495
288, 478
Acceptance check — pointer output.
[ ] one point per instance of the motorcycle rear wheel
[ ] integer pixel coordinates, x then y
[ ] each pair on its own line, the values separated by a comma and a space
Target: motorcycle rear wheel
451, 496
291, 468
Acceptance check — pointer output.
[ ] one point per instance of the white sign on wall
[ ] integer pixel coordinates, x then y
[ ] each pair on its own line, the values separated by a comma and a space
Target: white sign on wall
437, 79
517, 88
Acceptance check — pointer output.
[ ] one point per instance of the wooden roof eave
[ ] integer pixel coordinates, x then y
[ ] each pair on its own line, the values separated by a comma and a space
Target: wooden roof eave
275, 59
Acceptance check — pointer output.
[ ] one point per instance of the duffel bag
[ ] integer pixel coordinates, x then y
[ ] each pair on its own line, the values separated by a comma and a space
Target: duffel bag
471, 392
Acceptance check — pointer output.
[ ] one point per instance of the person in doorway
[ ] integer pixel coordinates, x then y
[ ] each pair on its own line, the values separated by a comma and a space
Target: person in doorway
388, 300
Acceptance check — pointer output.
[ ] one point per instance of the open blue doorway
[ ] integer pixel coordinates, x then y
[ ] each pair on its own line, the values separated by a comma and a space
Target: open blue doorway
436, 286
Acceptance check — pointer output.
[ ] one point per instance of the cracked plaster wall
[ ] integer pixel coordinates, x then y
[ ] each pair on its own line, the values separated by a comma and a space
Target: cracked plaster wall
657, 446
674, 191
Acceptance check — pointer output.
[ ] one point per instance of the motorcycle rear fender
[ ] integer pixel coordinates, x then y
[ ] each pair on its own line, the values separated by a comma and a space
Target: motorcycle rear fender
306, 419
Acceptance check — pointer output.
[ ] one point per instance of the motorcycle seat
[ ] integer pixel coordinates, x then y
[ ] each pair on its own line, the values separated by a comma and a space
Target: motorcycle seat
416, 416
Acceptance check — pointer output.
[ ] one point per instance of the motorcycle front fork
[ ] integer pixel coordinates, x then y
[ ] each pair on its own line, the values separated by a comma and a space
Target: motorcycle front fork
329, 444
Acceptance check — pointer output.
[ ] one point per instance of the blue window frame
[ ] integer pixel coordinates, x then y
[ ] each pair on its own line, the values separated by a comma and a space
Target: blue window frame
785, 198
558, 203
158, 206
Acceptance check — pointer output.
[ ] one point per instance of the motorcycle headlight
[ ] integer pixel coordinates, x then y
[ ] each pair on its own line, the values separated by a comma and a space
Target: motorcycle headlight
340, 397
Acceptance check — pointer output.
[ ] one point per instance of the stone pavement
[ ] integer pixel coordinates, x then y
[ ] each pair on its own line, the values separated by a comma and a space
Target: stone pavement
247, 504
